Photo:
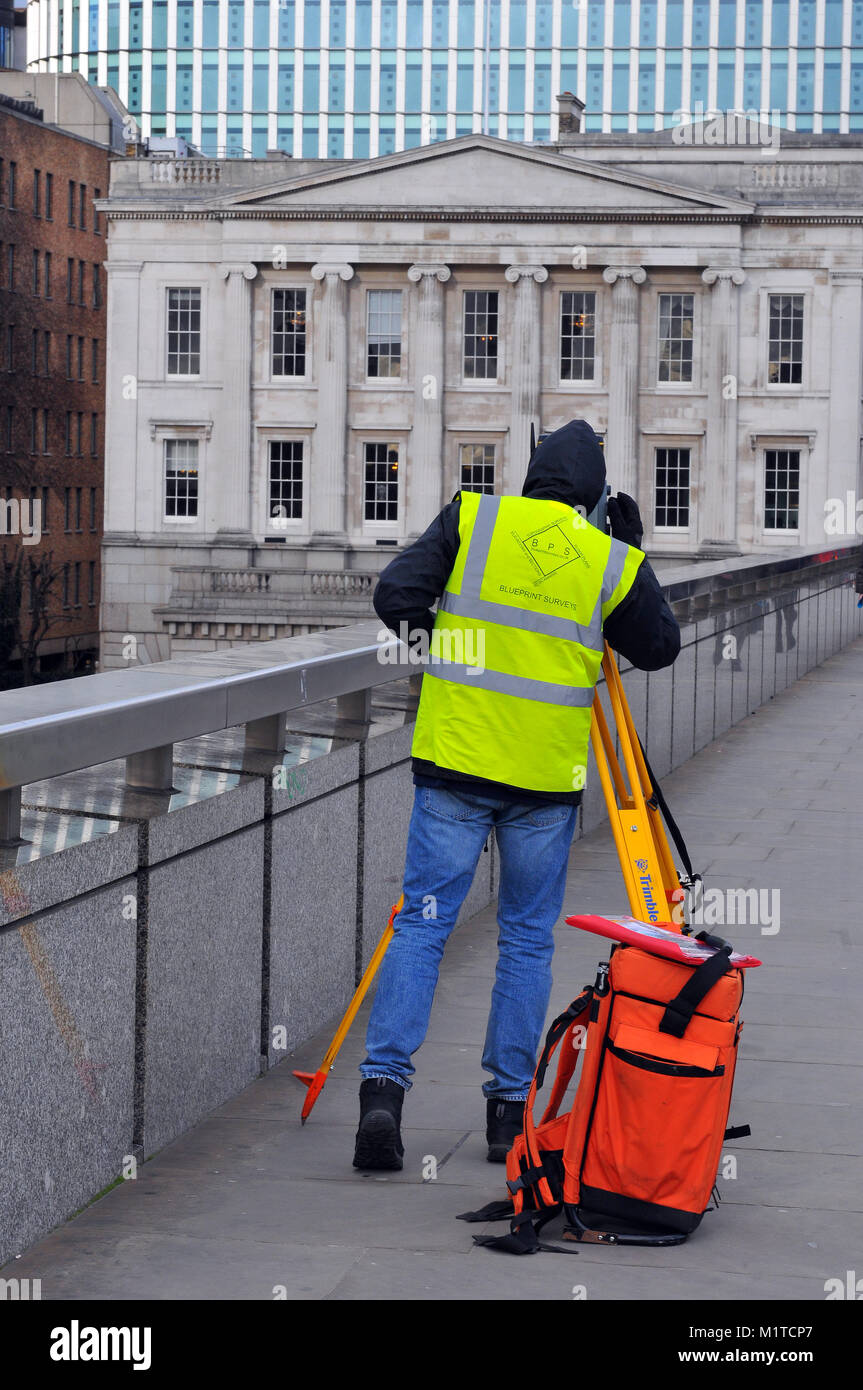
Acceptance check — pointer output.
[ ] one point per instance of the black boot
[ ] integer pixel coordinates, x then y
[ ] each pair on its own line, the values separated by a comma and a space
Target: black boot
379, 1140
504, 1120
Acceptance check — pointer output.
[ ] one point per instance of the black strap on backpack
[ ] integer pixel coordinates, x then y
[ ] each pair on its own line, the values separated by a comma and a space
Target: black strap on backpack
679, 1011
659, 799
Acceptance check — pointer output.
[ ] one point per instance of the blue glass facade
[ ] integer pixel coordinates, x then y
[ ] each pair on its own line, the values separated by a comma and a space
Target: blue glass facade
334, 78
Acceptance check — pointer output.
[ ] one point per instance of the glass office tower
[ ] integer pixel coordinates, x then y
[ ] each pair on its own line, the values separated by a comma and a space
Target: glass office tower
342, 78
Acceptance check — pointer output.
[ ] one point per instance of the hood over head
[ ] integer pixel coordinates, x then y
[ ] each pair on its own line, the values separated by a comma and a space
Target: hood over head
568, 466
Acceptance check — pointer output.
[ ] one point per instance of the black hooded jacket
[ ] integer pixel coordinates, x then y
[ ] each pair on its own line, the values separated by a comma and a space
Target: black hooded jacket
568, 466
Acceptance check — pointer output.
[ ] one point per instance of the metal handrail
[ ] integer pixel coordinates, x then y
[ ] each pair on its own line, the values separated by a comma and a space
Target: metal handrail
140, 713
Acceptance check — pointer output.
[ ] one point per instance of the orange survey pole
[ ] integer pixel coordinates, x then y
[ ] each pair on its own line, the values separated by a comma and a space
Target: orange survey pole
316, 1080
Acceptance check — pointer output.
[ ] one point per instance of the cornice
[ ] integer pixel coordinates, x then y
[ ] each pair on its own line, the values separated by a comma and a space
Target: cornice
563, 216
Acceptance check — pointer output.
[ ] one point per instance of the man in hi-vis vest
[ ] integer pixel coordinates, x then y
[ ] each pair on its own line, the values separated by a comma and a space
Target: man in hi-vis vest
526, 591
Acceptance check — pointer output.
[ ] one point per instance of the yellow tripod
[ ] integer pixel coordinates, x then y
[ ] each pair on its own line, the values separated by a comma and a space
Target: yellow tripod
652, 884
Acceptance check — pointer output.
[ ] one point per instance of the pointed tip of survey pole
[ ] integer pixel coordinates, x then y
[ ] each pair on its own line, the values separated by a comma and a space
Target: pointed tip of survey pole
315, 1083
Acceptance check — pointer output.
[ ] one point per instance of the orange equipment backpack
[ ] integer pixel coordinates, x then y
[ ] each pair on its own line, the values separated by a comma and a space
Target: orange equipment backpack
635, 1158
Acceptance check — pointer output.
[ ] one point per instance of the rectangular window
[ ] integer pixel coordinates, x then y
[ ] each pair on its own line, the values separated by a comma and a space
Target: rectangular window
381, 501
82, 206
47, 275
477, 467
289, 333
97, 287
181, 479
68, 433
80, 359
184, 333
94, 360
46, 493
77, 590
285, 480
34, 424
37, 193
781, 489
34, 352
79, 450
785, 355
8, 429
71, 208
46, 353
35, 272
81, 300
49, 197
675, 337
94, 435
91, 583
384, 333
10, 266
69, 341
9, 344
97, 193
13, 170
577, 335
93, 514
78, 508
67, 502
66, 585
45, 414
480, 335
672, 487
70, 280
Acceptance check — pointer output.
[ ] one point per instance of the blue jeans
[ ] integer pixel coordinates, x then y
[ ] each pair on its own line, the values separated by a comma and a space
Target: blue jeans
448, 830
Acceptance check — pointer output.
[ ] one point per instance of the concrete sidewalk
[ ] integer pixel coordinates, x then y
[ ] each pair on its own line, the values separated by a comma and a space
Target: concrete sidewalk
250, 1203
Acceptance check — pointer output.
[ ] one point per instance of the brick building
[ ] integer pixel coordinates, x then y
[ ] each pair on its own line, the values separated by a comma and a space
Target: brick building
52, 383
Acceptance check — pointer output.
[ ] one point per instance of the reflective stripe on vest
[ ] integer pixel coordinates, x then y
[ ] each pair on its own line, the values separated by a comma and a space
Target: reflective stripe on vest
547, 692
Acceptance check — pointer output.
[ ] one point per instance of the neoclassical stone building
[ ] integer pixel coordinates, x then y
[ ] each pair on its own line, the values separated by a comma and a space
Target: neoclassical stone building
307, 359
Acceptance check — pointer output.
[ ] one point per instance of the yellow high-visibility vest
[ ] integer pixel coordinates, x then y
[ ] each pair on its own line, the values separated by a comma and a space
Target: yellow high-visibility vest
517, 643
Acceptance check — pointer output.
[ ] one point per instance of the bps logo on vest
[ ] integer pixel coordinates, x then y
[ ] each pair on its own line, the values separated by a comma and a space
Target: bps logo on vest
549, 549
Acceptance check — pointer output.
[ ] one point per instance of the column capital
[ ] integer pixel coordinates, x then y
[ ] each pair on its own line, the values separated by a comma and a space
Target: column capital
332, 270
714, 273
123, 267
244, 268
423, 272
636, 273
514, 273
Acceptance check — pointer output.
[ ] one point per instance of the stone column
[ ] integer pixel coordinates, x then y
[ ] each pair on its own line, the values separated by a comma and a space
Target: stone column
621, 439
842, 454
525, 369
123, 493
233, 442
427, 464
717, 488
329, 471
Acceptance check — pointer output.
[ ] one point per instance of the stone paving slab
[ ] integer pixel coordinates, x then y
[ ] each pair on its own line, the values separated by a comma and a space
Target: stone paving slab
250, 1201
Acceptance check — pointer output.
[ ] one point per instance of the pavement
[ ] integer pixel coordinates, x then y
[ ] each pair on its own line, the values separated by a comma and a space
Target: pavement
250, 1205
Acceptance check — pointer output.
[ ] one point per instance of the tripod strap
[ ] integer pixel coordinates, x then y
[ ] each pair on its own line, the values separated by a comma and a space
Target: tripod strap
673, 827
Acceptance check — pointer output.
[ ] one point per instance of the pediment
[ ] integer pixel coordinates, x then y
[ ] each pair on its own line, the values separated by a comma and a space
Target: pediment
480, 172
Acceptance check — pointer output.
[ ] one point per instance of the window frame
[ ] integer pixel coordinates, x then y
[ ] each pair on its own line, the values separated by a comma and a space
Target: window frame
168, 287
279, 528
769, 292
282, 378
382, 528
400, 376
693, 383
655, 442
480, 383
180, 437
580, 383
